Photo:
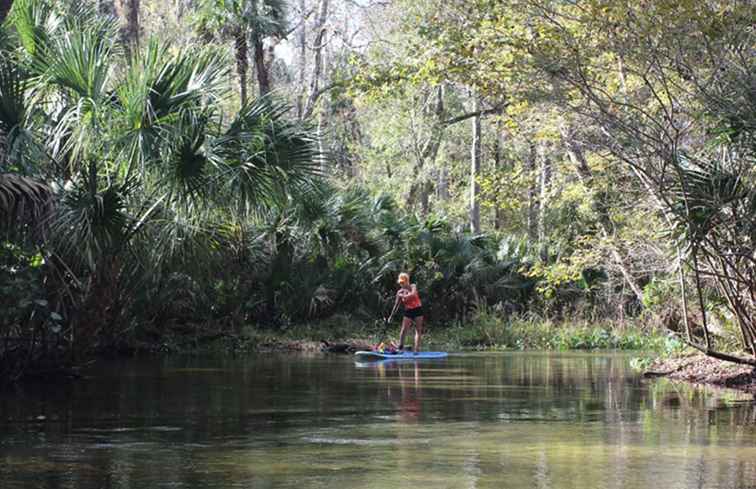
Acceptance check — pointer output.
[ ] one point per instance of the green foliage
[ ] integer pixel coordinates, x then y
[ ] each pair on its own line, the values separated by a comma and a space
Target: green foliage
488, 329
264, 17
132, 167
155, 205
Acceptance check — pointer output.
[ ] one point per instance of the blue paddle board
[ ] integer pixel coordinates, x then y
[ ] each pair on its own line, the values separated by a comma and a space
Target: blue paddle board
405, 355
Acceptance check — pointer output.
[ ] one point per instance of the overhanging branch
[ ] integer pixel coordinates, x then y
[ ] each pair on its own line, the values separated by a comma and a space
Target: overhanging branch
469, 115
719, 355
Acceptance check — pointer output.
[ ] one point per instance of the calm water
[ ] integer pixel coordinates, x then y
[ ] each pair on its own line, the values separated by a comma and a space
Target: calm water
515, 420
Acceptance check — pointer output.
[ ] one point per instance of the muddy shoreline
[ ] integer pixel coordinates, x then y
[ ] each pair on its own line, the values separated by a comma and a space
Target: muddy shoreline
702, 370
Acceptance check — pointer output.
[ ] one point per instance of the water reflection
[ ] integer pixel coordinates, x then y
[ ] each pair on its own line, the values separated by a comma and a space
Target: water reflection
402, 380
505, 420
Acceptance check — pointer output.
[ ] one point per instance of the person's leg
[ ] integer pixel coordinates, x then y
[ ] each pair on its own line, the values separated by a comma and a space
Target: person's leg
418, 332
406, 323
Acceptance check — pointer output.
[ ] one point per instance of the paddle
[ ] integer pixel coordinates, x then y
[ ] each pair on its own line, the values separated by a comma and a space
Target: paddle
387, 320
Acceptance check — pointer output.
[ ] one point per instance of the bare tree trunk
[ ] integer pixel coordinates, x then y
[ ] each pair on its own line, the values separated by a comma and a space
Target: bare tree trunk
684, 294
475, 169
498, 163
583, 171
545, 183
420, 188
128, 10
321, 137
180, 9
242, 63
425, 191
261, 68
5, 6
443, 184
133, 28
532, 220
302, 49
320, 40
324, 114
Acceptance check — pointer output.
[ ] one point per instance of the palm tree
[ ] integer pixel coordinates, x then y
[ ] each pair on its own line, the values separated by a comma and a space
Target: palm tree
245, 22
131, 154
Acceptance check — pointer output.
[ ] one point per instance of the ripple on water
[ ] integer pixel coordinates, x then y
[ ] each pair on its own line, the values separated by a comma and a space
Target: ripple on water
324, 440
130, 430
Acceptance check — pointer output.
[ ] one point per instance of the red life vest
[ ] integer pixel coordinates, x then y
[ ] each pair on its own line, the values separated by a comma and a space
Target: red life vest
412, 301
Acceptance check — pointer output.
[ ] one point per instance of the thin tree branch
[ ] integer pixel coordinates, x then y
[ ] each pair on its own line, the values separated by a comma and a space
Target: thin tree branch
304, 19
469, 115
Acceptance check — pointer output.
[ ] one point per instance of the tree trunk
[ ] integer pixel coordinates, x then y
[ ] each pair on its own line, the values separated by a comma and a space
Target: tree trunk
475, 170
420, 188
321, 138
5, 7
583, 171
443, 184
324, 115
532, 220
242, 63
302, 49
320, 40
128, 10
499, 164
263, 77
545, 181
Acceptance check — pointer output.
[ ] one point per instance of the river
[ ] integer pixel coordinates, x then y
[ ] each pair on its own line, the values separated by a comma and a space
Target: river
493, 420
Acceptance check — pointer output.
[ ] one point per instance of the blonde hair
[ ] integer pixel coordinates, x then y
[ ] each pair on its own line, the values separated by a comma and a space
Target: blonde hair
403, 278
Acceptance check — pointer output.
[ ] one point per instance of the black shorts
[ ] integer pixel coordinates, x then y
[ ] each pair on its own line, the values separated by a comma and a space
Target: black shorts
413, 313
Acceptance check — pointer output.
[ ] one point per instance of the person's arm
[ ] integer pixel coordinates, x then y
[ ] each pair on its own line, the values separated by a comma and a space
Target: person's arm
412, 292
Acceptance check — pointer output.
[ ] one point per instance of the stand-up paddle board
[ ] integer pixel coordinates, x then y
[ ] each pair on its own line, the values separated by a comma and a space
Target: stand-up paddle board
404, 355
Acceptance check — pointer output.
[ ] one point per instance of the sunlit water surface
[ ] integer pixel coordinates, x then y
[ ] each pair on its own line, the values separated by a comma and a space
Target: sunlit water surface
511, 420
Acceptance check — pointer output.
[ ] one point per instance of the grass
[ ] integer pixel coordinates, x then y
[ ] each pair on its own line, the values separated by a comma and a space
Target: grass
490, 332
484, 332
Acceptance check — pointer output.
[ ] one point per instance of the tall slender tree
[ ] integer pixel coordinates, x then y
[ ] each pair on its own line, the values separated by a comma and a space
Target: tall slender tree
266, 21
128, 11
301, 58
475, 157
248, 24
320, 40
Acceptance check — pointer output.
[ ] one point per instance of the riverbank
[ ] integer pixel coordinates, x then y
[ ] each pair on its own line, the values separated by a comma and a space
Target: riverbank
702, 370
483, 333
346, 334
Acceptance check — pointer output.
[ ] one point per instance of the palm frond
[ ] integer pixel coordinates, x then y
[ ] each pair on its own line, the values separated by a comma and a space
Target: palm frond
186, 158
263, 156
73, 67
23, 201
81, 61
19, 144
158, 92
13, 82
177, 237
92, 220
36, 23
171, 81
264, 18
707, 193
268, 18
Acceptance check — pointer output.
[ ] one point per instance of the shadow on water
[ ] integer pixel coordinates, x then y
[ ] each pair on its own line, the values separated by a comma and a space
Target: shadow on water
476, 420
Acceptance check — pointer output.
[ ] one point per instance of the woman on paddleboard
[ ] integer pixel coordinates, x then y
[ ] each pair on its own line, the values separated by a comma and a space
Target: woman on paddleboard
413, 310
